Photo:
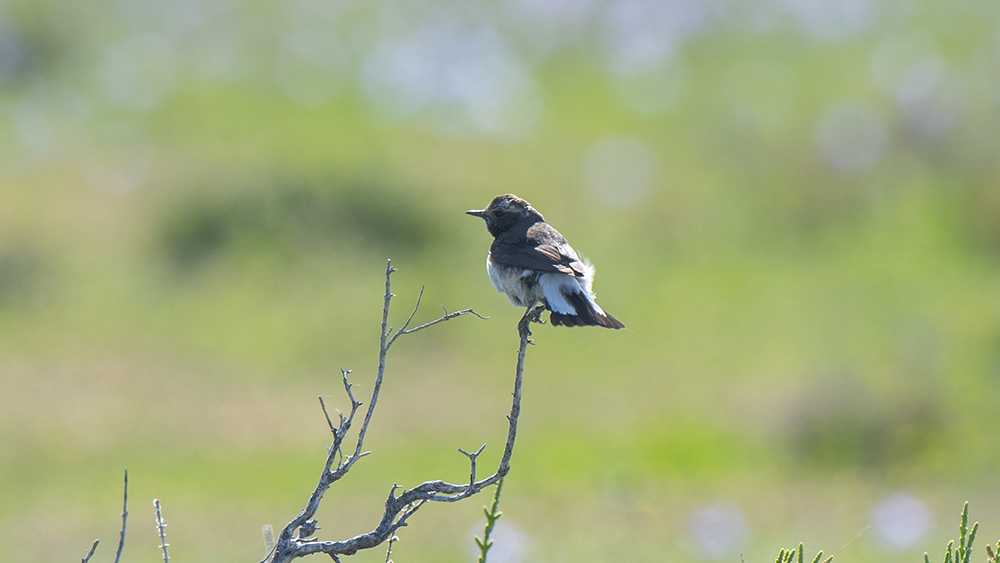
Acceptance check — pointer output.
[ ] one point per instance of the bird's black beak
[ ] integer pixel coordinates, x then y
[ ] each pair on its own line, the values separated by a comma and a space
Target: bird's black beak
476, 212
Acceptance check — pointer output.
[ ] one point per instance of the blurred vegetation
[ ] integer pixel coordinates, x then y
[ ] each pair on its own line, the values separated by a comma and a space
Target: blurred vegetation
793, 206
295, 218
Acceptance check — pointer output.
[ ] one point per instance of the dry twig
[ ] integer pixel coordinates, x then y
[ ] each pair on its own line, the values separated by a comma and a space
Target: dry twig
161, 529
121, 539
296, 540
90, 553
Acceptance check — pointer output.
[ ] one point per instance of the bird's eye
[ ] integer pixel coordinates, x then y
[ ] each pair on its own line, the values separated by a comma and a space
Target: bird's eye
498, 213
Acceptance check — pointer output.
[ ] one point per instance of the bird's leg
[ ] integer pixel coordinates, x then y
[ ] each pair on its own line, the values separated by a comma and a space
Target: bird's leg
535, 314
531, 315
538, 314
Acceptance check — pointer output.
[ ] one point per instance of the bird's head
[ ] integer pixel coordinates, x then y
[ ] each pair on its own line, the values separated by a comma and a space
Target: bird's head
504, 212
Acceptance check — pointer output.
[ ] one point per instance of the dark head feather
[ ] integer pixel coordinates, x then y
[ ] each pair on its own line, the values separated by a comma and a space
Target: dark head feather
504, 212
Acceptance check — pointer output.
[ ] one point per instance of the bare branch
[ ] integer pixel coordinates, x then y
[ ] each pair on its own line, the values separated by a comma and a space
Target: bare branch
386, 340
397, 509
304, 522
327, 415
347, 388
161, 528
90, 553
121, 539
414, 312
383, 348
446, 317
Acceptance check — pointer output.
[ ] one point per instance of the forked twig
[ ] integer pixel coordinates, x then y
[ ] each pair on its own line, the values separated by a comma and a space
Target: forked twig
472, 461
121, 539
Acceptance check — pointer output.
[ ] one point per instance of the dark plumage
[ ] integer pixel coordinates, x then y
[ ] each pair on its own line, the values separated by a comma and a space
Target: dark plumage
532, 263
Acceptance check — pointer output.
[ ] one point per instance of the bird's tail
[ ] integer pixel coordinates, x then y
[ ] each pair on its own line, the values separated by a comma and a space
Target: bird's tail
588, 313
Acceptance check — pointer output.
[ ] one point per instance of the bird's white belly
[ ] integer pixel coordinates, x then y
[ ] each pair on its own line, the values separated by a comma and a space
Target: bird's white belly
520, 285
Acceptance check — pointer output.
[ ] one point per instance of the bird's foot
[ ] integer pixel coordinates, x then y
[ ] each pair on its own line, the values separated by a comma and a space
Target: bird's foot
536, 314
532, 315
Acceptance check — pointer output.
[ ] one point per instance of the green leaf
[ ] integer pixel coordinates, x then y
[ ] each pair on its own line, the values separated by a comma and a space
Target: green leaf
964, 526
972, 538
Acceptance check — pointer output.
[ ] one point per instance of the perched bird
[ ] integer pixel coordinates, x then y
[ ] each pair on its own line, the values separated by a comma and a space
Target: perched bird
532, 263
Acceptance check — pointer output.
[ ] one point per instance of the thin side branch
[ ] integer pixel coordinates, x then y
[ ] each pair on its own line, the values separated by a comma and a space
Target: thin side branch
90, 553
382, 350
395, 538
407, 512
121, 539
445, 317
414, 311
327, 415
161, 529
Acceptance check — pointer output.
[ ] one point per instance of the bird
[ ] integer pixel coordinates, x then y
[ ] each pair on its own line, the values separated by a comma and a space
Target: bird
532, 263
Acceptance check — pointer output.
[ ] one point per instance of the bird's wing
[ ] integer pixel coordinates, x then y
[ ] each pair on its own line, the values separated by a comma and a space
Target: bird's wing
543, 250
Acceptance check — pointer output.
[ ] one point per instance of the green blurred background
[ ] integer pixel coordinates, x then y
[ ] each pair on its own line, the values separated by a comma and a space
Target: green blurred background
794, 205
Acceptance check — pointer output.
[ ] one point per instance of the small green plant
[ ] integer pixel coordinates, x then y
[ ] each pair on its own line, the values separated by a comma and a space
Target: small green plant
789, 556
492, 515
994, 556
963, 553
